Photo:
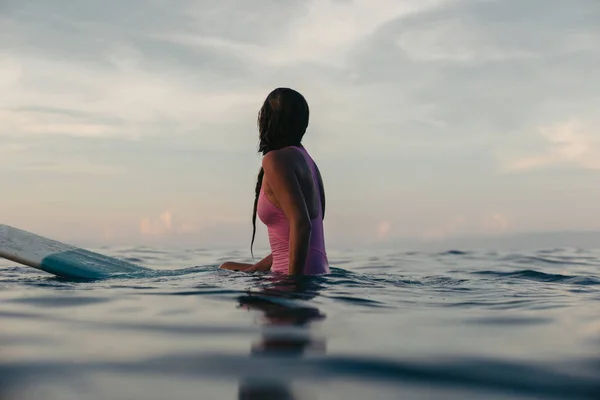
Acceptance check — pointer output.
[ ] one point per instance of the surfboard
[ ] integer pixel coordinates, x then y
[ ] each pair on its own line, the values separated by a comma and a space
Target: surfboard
59, 258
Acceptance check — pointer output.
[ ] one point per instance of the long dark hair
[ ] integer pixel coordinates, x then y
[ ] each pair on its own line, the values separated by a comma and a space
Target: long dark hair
282, 121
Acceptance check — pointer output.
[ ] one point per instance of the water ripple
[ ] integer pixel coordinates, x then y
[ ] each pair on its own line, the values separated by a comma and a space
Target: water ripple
484, 374
538, 276
453, 324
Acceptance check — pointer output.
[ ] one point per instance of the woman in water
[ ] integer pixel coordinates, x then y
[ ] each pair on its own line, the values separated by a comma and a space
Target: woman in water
290, 199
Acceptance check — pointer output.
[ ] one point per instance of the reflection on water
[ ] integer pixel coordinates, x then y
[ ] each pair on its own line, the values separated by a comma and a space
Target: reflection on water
276, 302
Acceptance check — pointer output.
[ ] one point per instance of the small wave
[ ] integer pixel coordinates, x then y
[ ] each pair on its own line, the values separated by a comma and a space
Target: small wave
496, 304
344, 278
508, 320
523, 259
454, 253
209, 290
134, 259
486, 376
60, 301
358, 301
443, 281
533, 275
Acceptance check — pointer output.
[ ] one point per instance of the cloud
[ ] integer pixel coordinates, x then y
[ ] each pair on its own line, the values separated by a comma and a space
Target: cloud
331, 30
128, 101
383, 230
472, 32
570, 143
126, 72
365, 66
167, 224
452, 42
161, 226
318, 32
468, 76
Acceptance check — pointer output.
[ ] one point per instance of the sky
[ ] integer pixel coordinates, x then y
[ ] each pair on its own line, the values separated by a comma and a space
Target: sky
134, 122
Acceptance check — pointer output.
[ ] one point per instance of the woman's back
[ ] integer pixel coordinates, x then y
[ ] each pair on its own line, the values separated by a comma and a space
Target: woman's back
278, 226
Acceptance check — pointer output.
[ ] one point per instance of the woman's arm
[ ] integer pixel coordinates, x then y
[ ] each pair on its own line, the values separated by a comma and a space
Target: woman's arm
263, 265
284, 184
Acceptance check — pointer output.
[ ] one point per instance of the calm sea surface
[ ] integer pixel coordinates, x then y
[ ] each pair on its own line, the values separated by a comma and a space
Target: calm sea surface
383, 325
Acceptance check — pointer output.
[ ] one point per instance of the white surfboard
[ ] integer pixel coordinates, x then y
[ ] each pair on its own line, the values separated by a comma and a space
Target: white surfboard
58, 258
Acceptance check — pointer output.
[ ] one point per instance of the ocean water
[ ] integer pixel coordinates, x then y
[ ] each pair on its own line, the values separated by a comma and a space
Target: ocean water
383, 325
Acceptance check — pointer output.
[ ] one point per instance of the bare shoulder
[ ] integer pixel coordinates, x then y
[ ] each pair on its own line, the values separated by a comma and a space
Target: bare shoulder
280, 160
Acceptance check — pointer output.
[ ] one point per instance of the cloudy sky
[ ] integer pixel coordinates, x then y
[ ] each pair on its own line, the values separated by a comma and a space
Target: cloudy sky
133, 122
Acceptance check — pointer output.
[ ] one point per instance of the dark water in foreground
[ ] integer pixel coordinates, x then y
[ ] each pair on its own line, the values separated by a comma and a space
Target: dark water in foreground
384, 325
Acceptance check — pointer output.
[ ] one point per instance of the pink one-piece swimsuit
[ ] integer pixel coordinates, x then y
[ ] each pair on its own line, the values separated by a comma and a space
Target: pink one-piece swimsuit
279, 231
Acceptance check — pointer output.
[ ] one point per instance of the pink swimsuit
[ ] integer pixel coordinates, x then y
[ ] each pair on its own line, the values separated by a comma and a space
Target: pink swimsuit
278, 229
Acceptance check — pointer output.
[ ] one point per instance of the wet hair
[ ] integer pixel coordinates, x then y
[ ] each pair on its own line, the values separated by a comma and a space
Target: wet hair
282, 121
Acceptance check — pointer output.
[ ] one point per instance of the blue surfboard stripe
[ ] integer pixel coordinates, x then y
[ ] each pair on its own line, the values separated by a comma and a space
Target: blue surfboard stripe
84, 264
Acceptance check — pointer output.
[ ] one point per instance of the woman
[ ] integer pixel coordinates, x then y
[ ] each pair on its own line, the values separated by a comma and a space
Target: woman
290, 199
